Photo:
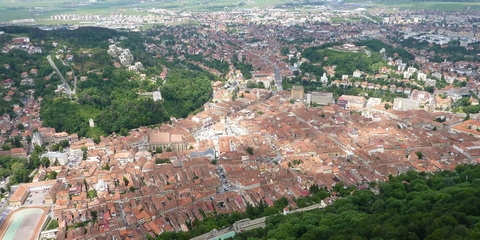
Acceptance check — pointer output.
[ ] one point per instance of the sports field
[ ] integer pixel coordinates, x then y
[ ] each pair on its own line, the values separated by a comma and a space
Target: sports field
24, 223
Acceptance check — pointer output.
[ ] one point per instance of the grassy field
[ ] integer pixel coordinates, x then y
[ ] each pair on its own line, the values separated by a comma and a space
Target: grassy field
409, 4
8, 15
42, 10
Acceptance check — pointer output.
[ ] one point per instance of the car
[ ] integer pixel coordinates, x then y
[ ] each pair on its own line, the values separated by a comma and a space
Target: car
3, 200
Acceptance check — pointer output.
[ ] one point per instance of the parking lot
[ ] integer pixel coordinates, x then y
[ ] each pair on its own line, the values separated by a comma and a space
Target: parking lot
74, 159
36, 198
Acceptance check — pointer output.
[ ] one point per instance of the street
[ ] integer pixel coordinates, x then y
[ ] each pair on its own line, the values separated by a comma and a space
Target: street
225, 184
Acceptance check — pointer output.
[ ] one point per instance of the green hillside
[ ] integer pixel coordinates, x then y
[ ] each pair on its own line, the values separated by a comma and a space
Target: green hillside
412, 206
106, 94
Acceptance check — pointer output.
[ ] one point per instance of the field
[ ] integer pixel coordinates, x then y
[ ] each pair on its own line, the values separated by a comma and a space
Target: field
409, 4
42, 10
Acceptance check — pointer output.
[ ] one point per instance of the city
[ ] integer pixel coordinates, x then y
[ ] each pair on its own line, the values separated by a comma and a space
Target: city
337, 98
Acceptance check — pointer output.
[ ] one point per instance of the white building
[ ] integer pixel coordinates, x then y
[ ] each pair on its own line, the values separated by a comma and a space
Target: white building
405, 104
157, 96
53, 156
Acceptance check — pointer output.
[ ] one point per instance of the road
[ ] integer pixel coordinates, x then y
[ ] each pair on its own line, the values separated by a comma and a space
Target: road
276, 69
225, 184
67, 87
278, 78
369, 18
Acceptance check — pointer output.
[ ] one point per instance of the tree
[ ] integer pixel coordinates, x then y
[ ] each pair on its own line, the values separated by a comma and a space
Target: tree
106, 167
419, 154
6, 147
20, 126
92, 194
52, 175
20, 173
249, 150
96, 139
93, 213
84, 150
158, 149
132, 189
126, 181
46, 162
387, 106
169, 149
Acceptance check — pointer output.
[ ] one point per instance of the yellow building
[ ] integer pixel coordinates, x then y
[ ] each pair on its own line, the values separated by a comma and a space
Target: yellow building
297, 92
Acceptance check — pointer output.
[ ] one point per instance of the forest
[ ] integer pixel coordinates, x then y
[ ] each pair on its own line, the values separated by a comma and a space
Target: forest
413, 205
219, 221
115, 106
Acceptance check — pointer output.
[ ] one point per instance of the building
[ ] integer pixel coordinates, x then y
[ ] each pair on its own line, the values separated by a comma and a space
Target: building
62, 157
351, 102
166, 140
157, 96
51, 195
321, 98
470, 127
297, 92
405, 104
19, 196
373, 102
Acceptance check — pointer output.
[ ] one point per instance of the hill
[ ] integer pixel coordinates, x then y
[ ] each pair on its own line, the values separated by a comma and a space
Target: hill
411, 206
116, 98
